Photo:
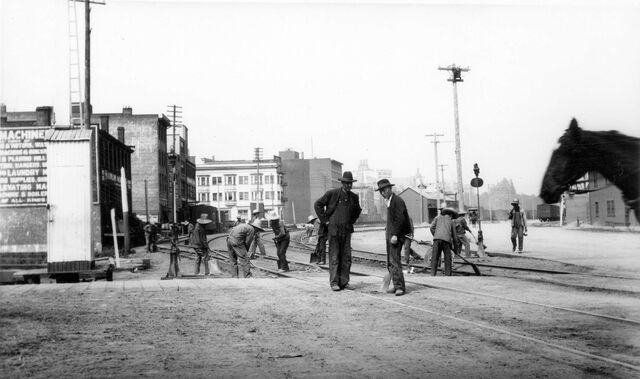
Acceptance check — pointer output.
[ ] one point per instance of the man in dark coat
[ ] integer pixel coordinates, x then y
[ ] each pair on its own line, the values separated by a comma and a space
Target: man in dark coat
339, 209
398, 226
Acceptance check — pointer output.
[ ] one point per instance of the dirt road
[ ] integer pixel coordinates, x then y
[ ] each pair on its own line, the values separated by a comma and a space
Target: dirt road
139, 326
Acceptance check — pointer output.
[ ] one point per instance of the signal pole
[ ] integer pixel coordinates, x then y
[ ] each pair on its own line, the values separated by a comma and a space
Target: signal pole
456, 76
435, 143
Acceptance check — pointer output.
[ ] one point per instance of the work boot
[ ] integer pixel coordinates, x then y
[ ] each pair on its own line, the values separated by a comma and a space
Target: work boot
399, 292
334, 287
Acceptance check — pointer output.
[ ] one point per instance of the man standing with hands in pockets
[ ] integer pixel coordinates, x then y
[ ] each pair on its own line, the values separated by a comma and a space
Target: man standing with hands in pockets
398, 226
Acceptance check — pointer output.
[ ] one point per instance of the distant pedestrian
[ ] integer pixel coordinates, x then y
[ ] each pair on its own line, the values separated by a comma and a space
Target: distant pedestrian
310, 226
257, 240
409, 253
319, 255
518, 225
190, 228
282, 239
238, 242
444, 239
199, 242
150, 235
398, 226
461, 229
473, 217
339, 209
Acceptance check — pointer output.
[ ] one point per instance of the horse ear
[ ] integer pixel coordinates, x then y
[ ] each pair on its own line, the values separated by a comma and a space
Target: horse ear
574, 130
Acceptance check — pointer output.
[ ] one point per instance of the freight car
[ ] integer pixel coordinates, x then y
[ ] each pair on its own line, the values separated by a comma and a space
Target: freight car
548, 212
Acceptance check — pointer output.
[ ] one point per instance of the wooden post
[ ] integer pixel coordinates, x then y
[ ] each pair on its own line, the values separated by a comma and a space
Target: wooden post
125, 210
115, 236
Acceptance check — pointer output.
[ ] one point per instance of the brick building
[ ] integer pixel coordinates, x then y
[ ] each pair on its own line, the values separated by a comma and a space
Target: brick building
147, 134
306, 180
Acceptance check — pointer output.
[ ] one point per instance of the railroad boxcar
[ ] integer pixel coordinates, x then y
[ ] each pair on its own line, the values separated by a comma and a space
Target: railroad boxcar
548, 212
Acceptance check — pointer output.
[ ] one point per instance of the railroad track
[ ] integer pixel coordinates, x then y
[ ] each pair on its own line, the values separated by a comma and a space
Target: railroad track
525, 329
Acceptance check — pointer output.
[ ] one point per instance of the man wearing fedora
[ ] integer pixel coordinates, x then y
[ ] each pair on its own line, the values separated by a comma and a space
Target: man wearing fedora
518, 225
238, 243
398, 226
199, 242
339, 209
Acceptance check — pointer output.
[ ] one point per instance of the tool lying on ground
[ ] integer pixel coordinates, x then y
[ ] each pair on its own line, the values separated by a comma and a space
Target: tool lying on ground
473, 266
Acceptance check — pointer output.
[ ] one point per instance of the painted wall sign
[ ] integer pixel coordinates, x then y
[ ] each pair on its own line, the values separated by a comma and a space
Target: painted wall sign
23, 166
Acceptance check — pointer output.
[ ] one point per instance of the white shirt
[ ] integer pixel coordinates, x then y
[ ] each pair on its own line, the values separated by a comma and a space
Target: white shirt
389, 200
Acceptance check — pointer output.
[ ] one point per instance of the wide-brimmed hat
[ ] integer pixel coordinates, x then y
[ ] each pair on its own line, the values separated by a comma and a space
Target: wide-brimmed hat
515, 201
204, 219
311, 218
450, 211
347, 177
384, 183
272, 216
257, 224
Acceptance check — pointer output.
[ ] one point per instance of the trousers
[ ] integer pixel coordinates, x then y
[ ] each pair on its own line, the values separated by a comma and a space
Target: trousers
441, 246
394, 263
202, 256
239, 258
339, 259
517, 232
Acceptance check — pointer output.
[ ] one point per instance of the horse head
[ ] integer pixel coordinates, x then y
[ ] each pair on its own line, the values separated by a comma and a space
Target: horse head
565, 166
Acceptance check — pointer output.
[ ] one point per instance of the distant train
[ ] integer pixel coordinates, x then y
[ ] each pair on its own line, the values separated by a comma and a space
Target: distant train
548, 212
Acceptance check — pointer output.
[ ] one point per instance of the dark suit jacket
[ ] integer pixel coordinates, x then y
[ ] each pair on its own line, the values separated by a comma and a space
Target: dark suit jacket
398, 223
344, 218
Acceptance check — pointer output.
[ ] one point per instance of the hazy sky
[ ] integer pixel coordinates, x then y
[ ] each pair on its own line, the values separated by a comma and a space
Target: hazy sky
351, 80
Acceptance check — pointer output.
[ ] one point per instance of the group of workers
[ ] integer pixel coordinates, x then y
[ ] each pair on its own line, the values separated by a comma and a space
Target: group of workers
337, 211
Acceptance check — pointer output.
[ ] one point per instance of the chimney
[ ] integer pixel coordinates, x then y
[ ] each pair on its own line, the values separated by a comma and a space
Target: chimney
104, 123
127, 111
43, 116
121, 134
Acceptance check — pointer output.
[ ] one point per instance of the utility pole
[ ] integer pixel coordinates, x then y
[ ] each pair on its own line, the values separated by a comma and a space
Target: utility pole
257, 156
173, 156
435, 143
456, 76
444, 189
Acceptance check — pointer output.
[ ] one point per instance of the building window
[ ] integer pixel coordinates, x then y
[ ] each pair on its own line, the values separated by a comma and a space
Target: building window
611, 208
243, 213
204, 197
230, 180
268, 179
214, 196
279, 194
243, 195
203, 180
279, 179
254, 179
595, 180
597, 209
230, 196
268, 195
243, 180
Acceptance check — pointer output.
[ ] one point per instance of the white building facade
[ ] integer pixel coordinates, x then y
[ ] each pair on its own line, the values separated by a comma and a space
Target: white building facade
237, 187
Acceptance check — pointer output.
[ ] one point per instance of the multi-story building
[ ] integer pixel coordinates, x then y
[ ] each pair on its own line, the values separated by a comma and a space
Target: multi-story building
150, 168
306, 180
237, 187
178, 142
